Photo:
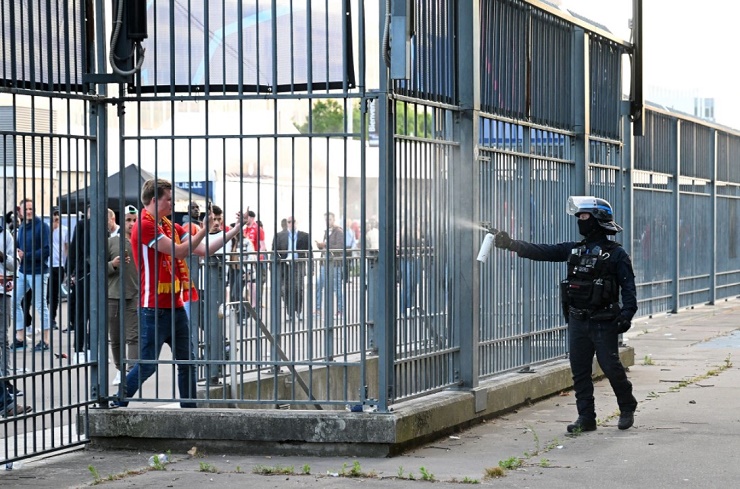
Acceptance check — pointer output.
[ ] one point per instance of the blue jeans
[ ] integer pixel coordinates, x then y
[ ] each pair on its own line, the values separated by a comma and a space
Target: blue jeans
586, 338
335, 269
38, 282
156, 330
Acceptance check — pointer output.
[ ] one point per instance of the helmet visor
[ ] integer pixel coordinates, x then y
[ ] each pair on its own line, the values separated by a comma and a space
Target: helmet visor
580, 203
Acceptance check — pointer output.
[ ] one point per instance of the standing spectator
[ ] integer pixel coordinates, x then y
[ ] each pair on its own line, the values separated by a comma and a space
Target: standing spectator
8, 405
113, 228
191, 221
34, 249
373, 235
356, 242
159, 249
78, 264
293, 247
123, 287
59, 250
256, 234
192, 224
217, 220
335, 240
247, 270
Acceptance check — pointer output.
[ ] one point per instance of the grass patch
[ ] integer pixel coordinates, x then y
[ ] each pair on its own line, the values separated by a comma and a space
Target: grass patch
426, 475
206, 467
95, 474
727, 363
494, 472
276, 470
510, 463
356, 471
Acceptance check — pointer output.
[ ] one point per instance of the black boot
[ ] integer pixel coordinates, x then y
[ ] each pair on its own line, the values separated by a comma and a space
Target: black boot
626, 420
582, 424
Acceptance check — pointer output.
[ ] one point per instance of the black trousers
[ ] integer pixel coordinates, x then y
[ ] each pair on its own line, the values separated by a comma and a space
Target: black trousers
56, 279
79, 312
291, 286
585, 339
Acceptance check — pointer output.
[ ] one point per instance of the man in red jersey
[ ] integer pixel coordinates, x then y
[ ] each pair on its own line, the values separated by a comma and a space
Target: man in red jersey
159, 248
254, 232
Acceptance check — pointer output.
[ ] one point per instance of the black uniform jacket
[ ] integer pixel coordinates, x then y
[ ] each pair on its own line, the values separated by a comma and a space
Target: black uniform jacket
561, 252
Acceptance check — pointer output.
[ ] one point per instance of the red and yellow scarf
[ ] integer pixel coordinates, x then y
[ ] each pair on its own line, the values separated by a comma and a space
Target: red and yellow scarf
181, 280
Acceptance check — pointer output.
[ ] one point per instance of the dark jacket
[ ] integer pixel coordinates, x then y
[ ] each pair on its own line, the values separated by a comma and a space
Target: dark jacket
281, 245
129, 277
78, 263
561, 252
302, 246
34, 239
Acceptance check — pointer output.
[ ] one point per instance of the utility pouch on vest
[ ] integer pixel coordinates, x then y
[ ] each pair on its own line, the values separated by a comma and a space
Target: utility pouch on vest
591, 283
607, 314
597, 293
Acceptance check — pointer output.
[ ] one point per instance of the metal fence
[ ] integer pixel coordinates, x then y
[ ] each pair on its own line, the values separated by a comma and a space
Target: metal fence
477, 118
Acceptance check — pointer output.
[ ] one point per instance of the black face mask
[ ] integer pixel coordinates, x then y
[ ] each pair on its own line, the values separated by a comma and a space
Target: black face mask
588, 226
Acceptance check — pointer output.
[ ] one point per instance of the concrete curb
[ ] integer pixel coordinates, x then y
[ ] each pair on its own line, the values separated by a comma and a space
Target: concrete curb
329, 433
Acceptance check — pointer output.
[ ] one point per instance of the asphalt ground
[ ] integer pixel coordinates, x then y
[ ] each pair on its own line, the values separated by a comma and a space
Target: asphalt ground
686, 378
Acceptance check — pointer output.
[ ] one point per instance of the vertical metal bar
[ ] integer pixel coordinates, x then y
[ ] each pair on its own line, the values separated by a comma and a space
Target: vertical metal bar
581, 122
464, 202
626, 186
529, 282
674, 134
386, 305
98, 249
712, 150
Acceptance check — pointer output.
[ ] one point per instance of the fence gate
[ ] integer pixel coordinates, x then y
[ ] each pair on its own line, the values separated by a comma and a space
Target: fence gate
49, 157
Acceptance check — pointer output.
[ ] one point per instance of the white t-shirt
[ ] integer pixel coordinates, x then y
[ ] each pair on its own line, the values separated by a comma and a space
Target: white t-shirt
59, 238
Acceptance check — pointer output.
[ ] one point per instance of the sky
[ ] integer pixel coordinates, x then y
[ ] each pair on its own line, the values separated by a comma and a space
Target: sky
689, 47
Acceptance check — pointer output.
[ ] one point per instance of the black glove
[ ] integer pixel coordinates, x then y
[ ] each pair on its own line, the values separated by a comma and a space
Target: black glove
623, 324
502, 240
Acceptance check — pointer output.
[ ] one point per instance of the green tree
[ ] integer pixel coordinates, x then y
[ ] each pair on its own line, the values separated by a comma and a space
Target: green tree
409, 121
327, 116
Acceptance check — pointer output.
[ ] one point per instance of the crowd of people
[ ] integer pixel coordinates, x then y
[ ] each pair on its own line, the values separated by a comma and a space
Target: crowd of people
153, 267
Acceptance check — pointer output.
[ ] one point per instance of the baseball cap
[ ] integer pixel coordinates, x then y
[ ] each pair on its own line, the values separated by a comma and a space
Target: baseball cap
129, 209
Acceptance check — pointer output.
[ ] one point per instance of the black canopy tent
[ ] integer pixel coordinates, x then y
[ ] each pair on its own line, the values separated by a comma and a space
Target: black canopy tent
133, 180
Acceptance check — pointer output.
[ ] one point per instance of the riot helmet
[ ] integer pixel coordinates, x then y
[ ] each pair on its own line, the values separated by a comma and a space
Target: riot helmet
599, 209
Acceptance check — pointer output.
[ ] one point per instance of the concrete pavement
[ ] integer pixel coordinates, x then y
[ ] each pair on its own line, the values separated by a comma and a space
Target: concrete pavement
685, 375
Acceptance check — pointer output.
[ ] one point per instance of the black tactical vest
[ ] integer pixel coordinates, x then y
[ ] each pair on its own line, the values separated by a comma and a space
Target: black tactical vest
592, 280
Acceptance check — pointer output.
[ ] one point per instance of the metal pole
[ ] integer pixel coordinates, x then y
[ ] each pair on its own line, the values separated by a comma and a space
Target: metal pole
98, 242
386, 311
214, 331
463, 201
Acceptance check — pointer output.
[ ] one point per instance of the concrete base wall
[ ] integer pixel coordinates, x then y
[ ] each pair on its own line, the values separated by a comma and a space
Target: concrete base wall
311, 432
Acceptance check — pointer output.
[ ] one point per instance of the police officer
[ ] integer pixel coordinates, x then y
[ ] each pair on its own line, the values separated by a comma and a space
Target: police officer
598, 270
